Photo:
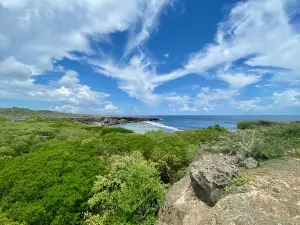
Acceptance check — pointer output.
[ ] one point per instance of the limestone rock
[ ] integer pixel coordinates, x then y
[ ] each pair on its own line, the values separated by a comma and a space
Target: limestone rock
249, 163
210, 174
272, 197
123, 121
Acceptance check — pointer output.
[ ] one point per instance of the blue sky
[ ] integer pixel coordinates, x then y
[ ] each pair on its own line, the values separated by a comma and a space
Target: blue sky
151, 57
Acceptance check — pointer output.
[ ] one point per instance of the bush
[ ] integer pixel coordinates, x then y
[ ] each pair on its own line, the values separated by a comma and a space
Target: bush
107, 130
172, 154
3, 119
49, 186
6, 221
255, 124
131, 193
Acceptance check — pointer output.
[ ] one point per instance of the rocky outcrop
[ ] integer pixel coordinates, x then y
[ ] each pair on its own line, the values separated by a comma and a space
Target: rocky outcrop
249, 163
109, 120
272, 196
210, 174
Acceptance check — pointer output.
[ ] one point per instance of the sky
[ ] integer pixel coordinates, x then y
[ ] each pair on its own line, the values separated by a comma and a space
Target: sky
151, 57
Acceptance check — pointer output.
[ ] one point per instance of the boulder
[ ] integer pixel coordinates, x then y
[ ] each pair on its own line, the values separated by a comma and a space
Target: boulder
210, 174
123, 121
249, 163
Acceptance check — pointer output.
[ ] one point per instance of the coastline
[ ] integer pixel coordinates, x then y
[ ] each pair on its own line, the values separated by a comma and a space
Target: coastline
110, 120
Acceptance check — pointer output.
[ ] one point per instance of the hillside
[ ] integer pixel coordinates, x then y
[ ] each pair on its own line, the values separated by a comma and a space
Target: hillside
21, 113
63, 172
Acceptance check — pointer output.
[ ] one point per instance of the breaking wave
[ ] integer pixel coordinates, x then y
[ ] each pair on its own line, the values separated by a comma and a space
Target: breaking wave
162, 126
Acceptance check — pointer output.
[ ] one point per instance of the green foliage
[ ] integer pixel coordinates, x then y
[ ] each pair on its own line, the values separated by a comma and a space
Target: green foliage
48, 167
172, 154
277, 141
207, 135
108, 130
262, 142
22, 113
50, 185
255, 124
239, 183
130, 193
3, 119
6, 221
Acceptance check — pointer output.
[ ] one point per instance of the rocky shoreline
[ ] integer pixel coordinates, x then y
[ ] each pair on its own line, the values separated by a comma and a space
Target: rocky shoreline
110, 120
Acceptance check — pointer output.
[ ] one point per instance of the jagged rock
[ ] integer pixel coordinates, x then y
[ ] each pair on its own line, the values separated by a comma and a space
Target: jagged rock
263, 201
249, 163
210, 174
123, 121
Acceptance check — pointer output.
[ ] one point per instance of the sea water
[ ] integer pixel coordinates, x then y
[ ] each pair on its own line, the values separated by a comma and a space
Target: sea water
179, 123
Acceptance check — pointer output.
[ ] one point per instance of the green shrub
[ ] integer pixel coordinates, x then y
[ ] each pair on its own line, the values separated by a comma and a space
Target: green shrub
131, 193
7, 150
6, 221
239, 183
50, 185
172, 154
255, 124
3, 119
107, 130
126, 143
201, 136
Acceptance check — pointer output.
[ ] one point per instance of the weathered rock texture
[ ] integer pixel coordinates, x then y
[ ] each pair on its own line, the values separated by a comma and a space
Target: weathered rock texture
271, 197
210, 174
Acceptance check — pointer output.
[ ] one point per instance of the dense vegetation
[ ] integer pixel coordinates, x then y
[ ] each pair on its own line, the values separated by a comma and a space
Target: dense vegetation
23, 113
63, 172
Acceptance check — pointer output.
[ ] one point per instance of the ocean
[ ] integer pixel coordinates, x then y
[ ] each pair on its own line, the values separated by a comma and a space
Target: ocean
179, 123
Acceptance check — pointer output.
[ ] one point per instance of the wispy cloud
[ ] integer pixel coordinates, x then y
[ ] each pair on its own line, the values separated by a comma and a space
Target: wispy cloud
261, 30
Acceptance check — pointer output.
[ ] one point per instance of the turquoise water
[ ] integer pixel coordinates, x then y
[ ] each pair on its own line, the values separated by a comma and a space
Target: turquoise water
177, 123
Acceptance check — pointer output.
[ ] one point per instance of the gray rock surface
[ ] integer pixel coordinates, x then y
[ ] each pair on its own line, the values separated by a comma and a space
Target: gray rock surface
272, 197
210, 174
249, 163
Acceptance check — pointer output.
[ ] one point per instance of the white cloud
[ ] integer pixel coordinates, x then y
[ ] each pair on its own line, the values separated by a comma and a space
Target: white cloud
67, 93
239, 80
136, 110
248, 105
69, 79
208, 109
195, 86
111, 107
263, 29
42, 32
186, 108
211, 98
148, 16
254, 28
11, 69
288, 98
174, 98
136, 78
67, 109
205, 89
179, 103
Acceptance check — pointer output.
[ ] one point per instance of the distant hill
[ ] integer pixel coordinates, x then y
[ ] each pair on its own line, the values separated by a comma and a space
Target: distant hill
25, 113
